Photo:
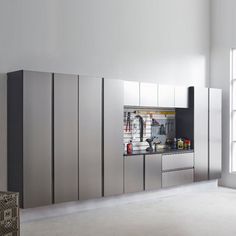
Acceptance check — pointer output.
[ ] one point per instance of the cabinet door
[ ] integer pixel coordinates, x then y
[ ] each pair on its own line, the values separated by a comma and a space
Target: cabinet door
37, 138
90, 137
133, 174
215, 133
166, 96
175, 178
148, 94
152, 172
181, 97
65, 137
201, 133
131, 93
113, 137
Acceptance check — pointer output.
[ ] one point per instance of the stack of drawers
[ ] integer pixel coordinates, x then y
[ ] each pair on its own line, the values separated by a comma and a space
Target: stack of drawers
9, 214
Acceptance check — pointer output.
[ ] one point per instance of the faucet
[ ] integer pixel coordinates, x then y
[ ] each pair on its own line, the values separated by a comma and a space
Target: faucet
140, 126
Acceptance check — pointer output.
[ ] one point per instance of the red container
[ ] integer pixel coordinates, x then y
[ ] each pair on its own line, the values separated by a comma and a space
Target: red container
129, 147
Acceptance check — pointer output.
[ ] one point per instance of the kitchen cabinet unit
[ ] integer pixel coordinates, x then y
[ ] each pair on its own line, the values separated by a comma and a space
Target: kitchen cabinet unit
193, 123
166, 96
30, 137
113, 105
175, 178
181, 97
177, 161
133, 174
131, 93
215, 133
90, 137
152, 172
148, 94
65, 138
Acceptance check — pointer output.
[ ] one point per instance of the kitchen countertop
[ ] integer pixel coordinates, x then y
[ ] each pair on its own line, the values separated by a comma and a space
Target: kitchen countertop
161, 151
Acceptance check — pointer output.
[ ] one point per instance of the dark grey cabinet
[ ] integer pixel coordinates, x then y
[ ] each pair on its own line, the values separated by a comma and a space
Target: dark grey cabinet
113, 136
65, 137
90, 137
30, 137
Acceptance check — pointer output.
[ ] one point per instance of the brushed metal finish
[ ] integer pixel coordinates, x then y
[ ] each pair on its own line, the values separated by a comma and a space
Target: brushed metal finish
153, 172
166, 96
133, 174
181, 97
131, 93
90, 137
215, 133
37, 87
177, 161
65, 137
148, 94
113, 136
201, 133
175, 178
3, 132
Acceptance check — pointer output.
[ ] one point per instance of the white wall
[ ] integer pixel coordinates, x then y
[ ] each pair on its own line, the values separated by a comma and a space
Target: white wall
223, 38
165, 41
155, 40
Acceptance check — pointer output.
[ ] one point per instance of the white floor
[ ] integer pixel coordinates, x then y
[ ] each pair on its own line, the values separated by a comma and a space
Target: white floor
198, 209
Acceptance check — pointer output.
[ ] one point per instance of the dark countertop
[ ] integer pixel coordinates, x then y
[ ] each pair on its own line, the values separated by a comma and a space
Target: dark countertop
161, 151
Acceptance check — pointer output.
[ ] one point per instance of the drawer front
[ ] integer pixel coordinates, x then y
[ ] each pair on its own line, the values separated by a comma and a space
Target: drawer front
177, 161
174, 178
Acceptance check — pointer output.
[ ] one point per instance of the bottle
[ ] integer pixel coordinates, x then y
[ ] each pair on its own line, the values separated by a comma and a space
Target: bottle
130, 147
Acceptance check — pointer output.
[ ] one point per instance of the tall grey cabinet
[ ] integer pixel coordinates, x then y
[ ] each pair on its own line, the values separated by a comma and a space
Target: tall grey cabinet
200, 133
215, 133
90, 137
113, 136
30, 137
65, 137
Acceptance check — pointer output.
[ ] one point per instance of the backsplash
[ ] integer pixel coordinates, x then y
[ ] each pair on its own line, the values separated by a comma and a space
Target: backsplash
158, 123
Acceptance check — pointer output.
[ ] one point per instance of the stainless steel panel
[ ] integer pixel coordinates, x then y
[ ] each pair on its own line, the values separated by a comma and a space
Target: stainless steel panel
90, 137
166, 96
113, 136
152, 172
37, 138
133, 174
66, 137
131, 93
177, 161
181, 97
175, 178
215, 133
148, 94
201, 133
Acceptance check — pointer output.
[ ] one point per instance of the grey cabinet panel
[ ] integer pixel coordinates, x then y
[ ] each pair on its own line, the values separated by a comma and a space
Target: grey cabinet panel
215, 133
65, 137
174, 178
37, 119
201, 133
177, 161
133, 174
152, 172
113, 136
90, 137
